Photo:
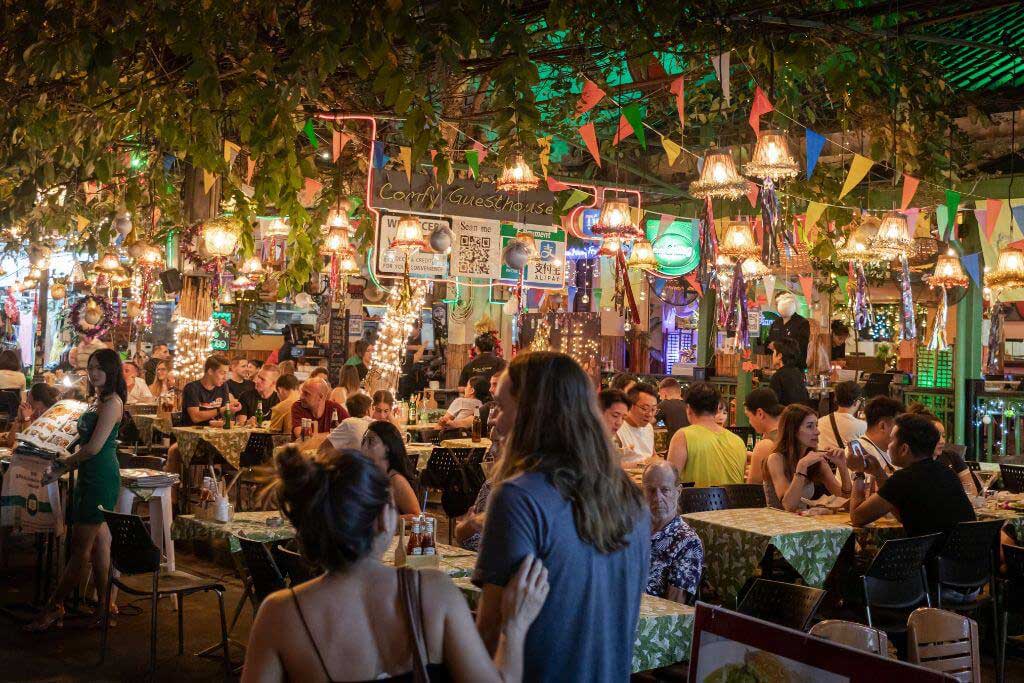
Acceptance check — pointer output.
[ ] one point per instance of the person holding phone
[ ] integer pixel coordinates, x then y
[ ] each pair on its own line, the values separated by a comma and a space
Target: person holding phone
791, 472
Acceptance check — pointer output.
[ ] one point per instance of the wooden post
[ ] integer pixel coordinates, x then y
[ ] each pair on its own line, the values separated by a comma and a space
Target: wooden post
40, 340
706, 330
743, 387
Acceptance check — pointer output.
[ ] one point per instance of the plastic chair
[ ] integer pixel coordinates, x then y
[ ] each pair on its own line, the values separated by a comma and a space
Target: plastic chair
1012, 477
745, 496
703, 499
896, 581
966, 563
293, 565
852, 634
944, 641
264, 576
785, 604
258, 451
1011, 599
459, 476
133, 554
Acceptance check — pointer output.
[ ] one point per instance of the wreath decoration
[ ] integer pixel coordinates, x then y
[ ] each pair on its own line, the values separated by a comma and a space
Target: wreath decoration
188, 244
91, 316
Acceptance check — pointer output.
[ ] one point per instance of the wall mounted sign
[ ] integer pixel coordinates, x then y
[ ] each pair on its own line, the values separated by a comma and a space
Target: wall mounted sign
547, 269
423, 264
677, 249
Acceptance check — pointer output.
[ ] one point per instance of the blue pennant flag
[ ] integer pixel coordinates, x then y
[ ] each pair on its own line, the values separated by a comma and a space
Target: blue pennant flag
972, 264
815, 142
1018, 215
379, 157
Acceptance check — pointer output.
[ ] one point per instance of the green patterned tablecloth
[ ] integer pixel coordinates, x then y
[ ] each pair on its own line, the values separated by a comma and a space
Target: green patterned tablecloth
422, 453
247, 524
147, 423
735, 541
229, 443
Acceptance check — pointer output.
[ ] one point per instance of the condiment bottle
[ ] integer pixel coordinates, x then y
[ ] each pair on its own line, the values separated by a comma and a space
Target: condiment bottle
414, 547
427, 540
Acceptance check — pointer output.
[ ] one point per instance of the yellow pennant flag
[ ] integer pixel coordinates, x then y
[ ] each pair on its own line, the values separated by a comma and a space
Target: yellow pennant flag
544, 154
406, 155
231, 151
672, 150
858, 169
82, 221
814, 211
208, 180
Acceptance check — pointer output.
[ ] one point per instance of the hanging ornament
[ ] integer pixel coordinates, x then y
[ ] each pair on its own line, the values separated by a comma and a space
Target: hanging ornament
948, 273
39, 256
91, 316
908, 325
718, 178
772, 160
119, 279
994, 366
134, 309
58, 291
770, 220
220, 235
738, 308
517, 177
122, 222
108, 263
441, 239
516, 254
148, 255
863, 313
77, 274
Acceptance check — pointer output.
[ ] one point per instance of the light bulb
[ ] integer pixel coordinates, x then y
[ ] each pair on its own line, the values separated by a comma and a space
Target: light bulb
772, 152
719, 173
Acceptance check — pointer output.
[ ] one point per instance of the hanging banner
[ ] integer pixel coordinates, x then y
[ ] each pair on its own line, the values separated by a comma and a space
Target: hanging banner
476, 248
422, 264
392, 192
546, 270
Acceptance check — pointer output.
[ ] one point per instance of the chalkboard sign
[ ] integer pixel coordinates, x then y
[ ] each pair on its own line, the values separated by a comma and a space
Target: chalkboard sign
337, 347
162, 329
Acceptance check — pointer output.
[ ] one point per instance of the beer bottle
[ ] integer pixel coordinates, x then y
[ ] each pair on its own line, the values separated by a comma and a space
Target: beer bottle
259, 415
477, 428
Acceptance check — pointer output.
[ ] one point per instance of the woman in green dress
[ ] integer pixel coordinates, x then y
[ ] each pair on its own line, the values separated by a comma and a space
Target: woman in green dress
98, 483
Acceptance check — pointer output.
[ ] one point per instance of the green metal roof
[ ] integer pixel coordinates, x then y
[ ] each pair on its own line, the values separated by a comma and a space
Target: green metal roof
980, 69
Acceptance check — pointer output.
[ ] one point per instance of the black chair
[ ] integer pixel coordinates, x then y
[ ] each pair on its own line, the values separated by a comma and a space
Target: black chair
294, 566
744, 496
258, 451
146, 462
785, 604
896, 581
10, 400
1011, 600
1012, 476
263, 575
133, 554
458, 474
702, 499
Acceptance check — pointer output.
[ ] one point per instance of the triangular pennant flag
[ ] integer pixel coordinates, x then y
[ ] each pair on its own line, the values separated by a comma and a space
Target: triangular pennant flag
405, 154
672, 150
752, 190
231, 151
663, 223
942, 221
694, 282
575, 198
952, 203
814, 211
769, 286
379, 157
759, 229
1018, 215
473, 161
544, 154
721, 64
814, 143
555, 185
972, 264
310, 189
912, 216
481, 150
311, 133
843, 281
338, 141
591, 95
81, 222
760, 106
979, 217
208, 180
655, 70
859, 168
676, 88
590, 139
250, 169
624, 131
92, 190
992, 209
807, 285
909, 188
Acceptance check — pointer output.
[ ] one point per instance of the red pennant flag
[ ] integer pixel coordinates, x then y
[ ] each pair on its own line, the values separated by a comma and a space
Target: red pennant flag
807, 284
759, 230
481, 149
752, 190
625, 130
556, 186
694, 283
591, 95
589, 136
655, 70
677, 89
909, 188
250, 169
760, 106
993, 207
309, 191
338, 142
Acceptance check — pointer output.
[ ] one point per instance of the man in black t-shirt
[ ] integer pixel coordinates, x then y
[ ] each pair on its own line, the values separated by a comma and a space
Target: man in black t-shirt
263, 394
925, 494
486, 363
238, 382
671, 407
205, 399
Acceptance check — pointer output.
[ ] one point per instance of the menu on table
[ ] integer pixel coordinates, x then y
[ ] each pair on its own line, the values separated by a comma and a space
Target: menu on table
53, 432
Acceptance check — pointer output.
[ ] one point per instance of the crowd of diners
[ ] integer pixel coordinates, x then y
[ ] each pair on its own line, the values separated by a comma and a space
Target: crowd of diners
567, 543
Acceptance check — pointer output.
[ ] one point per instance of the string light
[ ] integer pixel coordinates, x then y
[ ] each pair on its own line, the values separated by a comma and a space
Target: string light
191, 347
404, 305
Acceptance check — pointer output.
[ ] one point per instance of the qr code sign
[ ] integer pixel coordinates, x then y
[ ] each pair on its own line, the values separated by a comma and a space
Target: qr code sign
474, 255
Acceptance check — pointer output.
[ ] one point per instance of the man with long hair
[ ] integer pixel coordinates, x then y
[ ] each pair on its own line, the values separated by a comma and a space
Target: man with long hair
561, 496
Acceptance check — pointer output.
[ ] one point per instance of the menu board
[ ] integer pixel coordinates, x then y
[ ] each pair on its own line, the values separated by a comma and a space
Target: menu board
55, 430
423, 263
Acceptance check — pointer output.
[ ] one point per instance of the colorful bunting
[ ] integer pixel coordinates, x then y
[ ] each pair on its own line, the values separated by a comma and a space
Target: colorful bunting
630, 123
814, 211
721, 64
338, 141
590, 139
208, 181
972, 264
672, 150
992, 209
250, 169
591, 95
575, 198
676, 88
909, 188
1018, 215
859, 168
694, 282
311, 133
769, 286
952, 204
912, 216
814, 143
481, 150
760, 106
942, 221
555, 185
310, 189
231, 151
544, 155
81, 222
473, 161
405, 154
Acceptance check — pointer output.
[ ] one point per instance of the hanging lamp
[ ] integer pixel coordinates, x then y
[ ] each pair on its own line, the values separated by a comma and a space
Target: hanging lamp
108, 263
772, 158
738, 242
615, 222
893, 238
754, 269
1008, 273
408, 236
277, 227
642, 256
718, 178
220, 236
517, 177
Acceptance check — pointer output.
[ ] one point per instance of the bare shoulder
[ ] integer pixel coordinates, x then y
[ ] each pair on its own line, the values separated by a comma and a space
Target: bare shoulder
439, 590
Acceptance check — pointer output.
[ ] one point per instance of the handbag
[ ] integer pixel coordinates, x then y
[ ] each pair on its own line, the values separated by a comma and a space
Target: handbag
835, 430
409, 590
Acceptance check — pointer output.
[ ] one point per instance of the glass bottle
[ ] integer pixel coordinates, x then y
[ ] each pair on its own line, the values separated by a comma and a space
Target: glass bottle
414, 546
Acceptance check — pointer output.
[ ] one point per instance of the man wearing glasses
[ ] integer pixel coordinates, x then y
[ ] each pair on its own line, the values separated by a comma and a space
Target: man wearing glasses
637, 431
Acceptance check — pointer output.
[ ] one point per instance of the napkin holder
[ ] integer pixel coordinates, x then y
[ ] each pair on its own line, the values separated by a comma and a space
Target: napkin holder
403, 559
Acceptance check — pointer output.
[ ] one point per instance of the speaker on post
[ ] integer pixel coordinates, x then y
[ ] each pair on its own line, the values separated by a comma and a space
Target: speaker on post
171, 281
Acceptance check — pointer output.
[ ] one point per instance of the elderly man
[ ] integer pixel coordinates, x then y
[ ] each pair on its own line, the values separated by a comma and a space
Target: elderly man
637, 432
137, 389
262, 397
677, 554
314, 404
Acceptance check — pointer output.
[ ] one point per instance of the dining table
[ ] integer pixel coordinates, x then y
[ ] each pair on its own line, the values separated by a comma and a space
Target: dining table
466, 443
228, 443
735, 542
147, 424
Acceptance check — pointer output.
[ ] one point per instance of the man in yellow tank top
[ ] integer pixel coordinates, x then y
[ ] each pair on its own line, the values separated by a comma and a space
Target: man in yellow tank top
705, 452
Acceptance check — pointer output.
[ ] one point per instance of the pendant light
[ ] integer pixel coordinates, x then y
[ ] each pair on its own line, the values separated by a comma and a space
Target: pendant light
772, 158
1008, 273
738, 242
409, 236
220, 236
718, 178
517, 177
893, 238
642, 256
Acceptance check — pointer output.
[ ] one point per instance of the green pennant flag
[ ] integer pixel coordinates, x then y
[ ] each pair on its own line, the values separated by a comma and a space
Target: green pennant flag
473, 161
575, 198
843, 281
310, 133
635, 115
952, 203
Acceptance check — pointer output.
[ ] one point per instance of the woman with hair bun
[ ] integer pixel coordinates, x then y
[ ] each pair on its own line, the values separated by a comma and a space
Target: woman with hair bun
363, 620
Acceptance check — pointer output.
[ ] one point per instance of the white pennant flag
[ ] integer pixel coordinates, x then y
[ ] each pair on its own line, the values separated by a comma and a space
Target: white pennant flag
721, 64
664, 222
769, 287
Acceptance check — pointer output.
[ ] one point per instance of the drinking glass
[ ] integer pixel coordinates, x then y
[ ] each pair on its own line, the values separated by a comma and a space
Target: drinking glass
985, 478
